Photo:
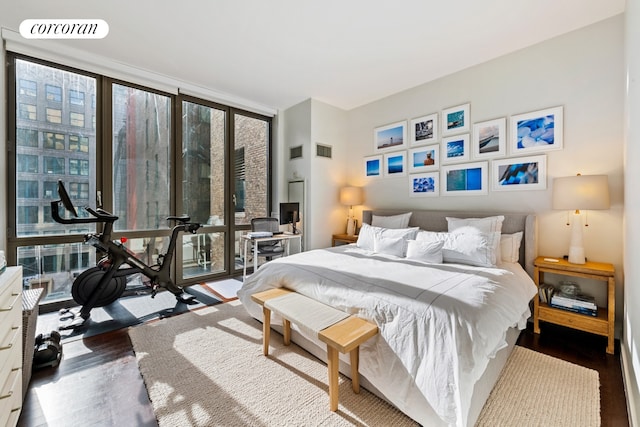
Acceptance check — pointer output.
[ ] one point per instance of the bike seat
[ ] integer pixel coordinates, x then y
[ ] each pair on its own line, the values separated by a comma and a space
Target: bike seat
182, 218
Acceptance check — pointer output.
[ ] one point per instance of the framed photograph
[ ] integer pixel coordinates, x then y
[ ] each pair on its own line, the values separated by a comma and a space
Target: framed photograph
424, 184
424, 158
466, 179
489, 139
537, 131
373, 167
390, 137
455, 120
455, 149
395, 164
522, 173
424, 130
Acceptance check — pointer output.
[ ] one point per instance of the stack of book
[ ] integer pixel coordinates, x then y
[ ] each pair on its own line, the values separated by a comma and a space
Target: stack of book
546, 292
580, 303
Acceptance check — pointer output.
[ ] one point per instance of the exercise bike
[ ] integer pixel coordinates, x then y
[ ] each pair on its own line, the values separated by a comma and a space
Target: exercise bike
106, 282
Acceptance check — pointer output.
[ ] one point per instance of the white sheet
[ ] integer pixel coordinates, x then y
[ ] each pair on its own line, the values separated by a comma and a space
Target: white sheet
439, 323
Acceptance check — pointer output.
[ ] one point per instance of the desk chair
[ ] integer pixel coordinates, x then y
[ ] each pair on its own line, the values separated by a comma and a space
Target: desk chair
271, 249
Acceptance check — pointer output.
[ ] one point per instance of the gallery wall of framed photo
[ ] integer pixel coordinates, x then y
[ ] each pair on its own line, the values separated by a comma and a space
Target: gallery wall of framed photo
444, 154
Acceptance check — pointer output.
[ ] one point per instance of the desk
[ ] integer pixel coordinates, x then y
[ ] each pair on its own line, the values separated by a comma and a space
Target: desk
285, 238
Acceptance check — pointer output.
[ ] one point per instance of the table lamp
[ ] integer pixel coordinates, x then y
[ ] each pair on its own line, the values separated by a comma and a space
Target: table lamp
575, 193
351, 196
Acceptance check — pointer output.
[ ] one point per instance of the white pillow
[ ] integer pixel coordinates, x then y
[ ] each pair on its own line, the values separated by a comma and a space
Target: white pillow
478, 249
396, 246
425, 251
490, 224
510, 246
394, 221
368, 232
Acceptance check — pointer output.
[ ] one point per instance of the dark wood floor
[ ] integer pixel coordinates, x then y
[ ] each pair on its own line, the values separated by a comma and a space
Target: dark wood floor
98, 382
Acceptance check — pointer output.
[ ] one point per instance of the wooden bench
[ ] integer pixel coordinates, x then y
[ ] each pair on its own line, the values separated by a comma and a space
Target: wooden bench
344, 336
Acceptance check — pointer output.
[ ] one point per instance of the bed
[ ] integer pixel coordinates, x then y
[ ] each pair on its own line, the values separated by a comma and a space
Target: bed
446, 328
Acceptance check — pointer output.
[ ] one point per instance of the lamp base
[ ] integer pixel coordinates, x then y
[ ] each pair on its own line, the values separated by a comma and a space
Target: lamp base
576, 255
351, 227
576, 247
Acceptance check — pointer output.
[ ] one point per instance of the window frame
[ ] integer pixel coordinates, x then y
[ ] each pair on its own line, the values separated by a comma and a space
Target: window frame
102, 99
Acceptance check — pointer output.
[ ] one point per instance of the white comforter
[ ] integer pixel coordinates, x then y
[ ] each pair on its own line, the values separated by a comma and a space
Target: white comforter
439, 323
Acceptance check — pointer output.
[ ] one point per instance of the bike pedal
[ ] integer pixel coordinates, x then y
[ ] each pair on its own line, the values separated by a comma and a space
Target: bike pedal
77, 323
186, 298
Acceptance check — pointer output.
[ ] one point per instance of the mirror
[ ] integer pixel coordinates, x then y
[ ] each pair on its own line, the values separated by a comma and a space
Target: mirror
296, 194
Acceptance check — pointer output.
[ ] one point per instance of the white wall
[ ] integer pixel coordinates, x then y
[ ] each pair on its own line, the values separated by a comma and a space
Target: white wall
328, 127
631, 337
294, 130
581, 71
306, 124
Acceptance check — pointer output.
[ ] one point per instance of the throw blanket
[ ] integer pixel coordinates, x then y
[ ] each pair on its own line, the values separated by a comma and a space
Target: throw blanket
439, 323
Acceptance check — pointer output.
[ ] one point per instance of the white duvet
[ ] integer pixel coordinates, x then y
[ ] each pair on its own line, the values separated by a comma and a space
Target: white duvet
439, 323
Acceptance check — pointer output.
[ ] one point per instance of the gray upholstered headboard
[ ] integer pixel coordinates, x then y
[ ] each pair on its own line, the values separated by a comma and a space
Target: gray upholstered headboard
437, 221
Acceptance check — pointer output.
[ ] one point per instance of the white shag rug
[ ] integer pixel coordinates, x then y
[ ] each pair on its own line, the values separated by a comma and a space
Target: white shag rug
206, 368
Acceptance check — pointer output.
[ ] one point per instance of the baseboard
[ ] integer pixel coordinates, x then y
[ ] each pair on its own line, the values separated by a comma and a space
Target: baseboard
631, 390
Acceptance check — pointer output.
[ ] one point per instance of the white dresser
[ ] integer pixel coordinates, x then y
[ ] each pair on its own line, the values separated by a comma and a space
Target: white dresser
10, 346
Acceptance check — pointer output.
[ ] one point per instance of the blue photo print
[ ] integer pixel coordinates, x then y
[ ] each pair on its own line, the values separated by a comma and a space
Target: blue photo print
395, 164
537, 131
424, 185
465, 179
373, 166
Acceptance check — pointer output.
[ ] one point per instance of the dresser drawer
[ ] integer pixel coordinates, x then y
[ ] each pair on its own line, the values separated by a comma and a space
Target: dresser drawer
11, 378
11, 393
9, 296
10, 352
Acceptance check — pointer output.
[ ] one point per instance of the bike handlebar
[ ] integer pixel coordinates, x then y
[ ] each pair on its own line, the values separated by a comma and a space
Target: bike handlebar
55, 214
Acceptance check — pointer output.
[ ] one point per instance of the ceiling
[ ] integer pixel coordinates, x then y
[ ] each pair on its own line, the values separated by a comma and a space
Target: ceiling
343, 52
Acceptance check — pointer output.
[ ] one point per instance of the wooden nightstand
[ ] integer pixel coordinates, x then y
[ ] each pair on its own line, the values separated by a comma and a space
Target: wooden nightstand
343, 239
602, 324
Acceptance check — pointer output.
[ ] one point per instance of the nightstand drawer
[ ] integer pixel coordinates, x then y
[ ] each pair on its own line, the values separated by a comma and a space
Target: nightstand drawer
595, 325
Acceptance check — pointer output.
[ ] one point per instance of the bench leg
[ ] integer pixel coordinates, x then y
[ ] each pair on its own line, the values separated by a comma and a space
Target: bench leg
355, 375
286, 331
266, 330
332, 364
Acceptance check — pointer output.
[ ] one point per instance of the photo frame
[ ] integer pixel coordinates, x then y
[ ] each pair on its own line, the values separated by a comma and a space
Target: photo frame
456, 119
537, 131
373, 167
424, 130
489, 139
424, 159
521, 173
455, 149
424, 184
390, 137
395, 164
465, 179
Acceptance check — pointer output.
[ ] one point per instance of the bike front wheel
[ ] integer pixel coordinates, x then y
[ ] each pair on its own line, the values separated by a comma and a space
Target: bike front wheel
87, 282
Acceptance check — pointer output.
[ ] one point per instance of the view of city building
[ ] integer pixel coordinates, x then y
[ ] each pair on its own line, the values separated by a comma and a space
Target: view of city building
57, 117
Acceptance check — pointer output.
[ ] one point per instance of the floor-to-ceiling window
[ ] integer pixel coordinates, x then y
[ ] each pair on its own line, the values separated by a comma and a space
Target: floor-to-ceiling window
139, 153
250, 176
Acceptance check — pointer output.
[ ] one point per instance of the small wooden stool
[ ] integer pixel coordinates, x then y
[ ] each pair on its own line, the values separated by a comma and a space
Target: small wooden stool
343, 336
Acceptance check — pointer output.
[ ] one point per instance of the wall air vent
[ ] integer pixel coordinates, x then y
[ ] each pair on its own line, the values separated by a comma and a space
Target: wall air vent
295, 152
323, 150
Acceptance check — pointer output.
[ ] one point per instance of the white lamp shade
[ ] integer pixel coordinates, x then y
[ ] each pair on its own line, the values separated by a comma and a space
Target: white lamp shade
589, 192
351, 196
